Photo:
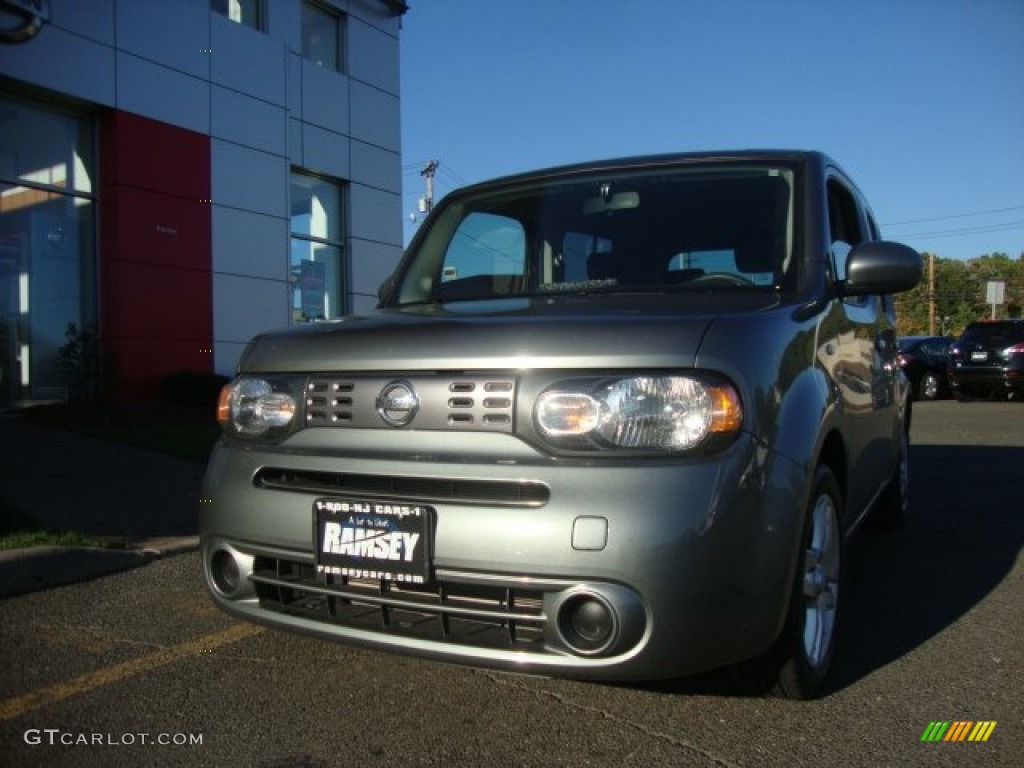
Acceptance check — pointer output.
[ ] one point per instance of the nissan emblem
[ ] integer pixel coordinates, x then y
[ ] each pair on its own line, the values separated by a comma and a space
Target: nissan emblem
398, 403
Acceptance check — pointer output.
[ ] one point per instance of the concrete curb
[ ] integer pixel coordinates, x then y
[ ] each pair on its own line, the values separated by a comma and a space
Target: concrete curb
35, 568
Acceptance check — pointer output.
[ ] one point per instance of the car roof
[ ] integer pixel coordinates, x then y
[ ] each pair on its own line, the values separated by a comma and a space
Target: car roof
780, 156
995, 323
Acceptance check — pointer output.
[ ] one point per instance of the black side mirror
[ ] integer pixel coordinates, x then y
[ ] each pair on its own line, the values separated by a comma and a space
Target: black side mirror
881, 267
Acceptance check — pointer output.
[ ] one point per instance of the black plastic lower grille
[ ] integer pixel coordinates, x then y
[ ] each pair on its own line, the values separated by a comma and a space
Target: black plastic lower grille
420, 489
474, 615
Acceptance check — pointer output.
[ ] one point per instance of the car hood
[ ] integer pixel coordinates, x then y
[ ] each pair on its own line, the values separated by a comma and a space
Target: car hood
550, 332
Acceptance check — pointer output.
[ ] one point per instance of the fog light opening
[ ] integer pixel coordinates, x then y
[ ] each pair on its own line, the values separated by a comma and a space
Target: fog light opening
224, 572
587, 623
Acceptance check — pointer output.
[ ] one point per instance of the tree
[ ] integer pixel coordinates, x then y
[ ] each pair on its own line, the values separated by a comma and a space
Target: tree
959, 294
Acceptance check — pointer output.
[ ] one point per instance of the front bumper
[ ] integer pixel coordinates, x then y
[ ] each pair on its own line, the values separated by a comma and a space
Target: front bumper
641, 570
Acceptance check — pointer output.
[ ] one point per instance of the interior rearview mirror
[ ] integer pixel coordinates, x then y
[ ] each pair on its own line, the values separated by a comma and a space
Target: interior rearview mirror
617, 202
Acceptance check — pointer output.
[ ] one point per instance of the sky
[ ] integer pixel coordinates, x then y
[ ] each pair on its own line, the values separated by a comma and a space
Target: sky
921, 101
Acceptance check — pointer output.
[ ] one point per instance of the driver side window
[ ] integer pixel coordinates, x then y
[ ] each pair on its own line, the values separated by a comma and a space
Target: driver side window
844, 225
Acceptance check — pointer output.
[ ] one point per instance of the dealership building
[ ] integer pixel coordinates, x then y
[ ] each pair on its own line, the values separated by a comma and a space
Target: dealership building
179, 175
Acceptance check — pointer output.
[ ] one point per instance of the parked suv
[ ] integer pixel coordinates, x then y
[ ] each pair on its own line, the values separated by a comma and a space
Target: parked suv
988, 360
610, 421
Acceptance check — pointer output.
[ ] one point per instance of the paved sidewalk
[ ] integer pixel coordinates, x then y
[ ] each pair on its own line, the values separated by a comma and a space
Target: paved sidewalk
68, 481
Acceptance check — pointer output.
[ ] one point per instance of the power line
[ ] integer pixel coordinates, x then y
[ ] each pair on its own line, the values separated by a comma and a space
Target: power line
964, 231
955, 216
415, 164
454, 178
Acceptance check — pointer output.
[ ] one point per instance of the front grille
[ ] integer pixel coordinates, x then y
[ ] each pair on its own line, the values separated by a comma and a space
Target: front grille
417, 489
329, 402
483, 402
473, 615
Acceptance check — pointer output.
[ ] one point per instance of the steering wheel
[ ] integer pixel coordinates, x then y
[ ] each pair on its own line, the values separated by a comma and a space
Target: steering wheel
722, 277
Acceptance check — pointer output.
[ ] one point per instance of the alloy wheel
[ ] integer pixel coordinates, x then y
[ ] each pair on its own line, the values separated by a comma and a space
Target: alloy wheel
821, 582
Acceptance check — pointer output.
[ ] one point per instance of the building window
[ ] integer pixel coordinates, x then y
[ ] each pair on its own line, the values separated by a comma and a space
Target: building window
322, 35
247, 12
47, 256
317, 249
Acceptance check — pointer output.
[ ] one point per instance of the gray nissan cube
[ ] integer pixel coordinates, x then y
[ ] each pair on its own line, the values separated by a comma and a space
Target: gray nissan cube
610, 421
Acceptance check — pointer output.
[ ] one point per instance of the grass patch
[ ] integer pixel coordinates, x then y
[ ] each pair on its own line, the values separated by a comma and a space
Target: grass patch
18, 532
44, 538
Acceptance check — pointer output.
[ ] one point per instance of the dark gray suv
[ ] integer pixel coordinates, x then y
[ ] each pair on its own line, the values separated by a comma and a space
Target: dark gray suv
610, 421
988, 359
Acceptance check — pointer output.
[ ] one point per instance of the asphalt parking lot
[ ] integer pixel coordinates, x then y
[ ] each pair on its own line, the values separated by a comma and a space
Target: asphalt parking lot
138, 668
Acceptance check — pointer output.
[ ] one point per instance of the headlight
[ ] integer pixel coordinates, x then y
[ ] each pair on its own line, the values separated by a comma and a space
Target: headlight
655, 413
253, 407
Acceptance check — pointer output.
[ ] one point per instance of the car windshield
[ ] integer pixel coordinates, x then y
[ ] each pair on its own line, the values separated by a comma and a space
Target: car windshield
723, 228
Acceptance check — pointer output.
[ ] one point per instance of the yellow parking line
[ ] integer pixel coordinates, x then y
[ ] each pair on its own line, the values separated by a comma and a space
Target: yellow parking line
19, 705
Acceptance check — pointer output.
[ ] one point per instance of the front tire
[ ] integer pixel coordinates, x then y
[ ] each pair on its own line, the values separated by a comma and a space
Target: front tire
802, 656
928, 387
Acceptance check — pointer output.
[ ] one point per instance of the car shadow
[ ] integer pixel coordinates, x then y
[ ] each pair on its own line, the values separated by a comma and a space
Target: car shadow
906, 586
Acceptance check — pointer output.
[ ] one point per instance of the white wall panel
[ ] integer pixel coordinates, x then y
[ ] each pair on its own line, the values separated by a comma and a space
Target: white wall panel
248, 61
324, 97
63, 62
284, 22
175, 34
371, 12
246, 243
94, 19
294, 85
244, 120
375, 215
375, 117
325, 152
245, 306
163, 94
295, 142
371, 263
376, 167
248, 179
373, 56
226, 355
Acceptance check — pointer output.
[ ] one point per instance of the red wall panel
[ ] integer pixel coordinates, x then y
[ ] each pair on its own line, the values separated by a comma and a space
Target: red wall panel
155, 156
155, 243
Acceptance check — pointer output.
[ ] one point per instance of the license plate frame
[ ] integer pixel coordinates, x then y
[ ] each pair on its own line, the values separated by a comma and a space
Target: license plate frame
372, 539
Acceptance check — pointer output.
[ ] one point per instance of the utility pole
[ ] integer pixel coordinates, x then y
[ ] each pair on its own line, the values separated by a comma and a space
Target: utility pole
427, 201
931, 294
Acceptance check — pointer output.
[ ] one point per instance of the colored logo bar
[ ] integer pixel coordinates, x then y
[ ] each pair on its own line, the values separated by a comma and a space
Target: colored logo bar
958, 730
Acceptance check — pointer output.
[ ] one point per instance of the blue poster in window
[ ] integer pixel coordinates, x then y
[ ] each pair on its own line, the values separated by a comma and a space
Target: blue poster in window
313, 288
